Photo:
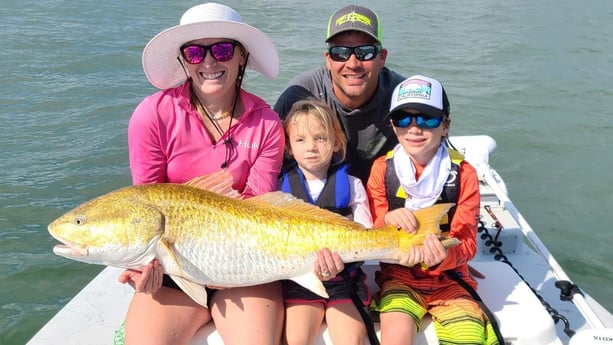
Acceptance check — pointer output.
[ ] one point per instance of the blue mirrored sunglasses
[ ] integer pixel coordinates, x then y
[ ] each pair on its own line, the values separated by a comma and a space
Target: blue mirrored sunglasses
403, 120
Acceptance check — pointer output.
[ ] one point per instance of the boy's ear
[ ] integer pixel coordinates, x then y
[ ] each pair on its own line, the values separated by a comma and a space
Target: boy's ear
446, 126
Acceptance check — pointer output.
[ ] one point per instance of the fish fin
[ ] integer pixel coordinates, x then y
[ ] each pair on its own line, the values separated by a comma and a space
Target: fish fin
167, 243
195, 291
429, 218
290, 203
219, 182
310, 282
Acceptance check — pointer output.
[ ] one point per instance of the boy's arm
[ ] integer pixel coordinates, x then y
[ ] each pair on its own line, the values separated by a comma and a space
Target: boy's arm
375, 188
465, 221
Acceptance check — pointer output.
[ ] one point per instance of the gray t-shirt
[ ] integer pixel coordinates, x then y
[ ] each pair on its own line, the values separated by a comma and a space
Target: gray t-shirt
368, 136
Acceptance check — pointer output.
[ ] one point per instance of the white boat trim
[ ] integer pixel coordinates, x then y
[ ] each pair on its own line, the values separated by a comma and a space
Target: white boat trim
560, 274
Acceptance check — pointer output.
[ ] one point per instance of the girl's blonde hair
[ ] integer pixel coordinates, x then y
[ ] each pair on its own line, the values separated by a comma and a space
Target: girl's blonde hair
321, 112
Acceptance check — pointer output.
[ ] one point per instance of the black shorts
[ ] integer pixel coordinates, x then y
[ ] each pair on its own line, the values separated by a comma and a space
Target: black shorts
339, 289
168, 282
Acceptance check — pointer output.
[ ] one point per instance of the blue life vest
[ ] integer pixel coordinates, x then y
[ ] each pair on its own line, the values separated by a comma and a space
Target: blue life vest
334, 196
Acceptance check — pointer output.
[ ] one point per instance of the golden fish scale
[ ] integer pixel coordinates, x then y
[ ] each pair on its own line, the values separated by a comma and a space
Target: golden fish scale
211, 239
279, 232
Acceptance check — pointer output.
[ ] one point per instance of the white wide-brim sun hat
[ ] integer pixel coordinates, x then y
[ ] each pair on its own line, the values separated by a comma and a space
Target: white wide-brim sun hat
210, 20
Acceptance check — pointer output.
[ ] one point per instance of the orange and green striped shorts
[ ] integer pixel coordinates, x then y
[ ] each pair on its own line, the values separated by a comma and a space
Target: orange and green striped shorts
456, 316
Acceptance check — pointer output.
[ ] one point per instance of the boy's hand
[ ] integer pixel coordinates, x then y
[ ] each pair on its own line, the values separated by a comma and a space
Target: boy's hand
413, 257
430, 253
402, 218
433, 250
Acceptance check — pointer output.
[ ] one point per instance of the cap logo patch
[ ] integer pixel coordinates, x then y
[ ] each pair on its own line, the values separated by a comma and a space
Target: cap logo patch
414, 88
353, 17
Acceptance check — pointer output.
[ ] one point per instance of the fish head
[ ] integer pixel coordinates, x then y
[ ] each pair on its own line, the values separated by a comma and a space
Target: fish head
110, 230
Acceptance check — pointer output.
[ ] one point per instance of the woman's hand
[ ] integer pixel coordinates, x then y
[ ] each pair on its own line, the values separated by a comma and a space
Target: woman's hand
328, 264
148, 281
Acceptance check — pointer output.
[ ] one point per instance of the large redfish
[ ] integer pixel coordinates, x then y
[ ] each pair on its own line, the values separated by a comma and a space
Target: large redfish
204, 238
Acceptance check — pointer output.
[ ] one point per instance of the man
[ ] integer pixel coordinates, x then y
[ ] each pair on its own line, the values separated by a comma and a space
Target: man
355, 83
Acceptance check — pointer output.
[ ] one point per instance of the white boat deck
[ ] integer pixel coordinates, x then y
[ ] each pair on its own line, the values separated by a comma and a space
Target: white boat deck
98, 310
94, 314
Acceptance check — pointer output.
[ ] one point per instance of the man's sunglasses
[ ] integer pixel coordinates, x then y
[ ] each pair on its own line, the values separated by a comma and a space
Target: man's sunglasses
195, 53
403, 120
362, 53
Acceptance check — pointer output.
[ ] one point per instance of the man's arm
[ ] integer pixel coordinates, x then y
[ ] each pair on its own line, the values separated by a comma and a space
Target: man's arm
288, 97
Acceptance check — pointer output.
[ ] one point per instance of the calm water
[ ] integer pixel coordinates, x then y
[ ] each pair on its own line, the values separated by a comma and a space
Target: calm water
536, 76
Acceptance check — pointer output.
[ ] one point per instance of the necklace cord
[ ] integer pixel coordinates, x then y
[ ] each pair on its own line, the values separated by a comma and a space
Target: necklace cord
229, 140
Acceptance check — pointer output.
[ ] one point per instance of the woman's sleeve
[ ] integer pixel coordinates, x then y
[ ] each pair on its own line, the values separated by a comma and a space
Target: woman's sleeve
265, 171
147, 159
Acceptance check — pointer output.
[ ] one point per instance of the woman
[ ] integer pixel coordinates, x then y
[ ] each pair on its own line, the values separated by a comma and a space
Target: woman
203, 121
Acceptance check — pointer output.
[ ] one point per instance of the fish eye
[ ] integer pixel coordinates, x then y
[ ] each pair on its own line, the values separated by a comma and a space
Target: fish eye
79, 220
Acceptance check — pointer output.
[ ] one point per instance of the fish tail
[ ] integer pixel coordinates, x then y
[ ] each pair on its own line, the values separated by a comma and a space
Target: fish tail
428, 222
429, 218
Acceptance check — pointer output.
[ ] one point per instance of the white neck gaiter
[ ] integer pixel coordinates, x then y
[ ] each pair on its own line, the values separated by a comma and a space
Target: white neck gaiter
426, 191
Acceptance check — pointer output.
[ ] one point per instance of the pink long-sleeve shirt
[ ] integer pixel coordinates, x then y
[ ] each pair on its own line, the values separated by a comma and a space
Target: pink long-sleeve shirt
168, 143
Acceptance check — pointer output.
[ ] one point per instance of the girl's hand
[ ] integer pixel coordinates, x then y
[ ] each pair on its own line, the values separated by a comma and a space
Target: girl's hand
328, 264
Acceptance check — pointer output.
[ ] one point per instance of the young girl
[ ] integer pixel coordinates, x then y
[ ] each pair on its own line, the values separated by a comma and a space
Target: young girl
419, 172
315, 140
